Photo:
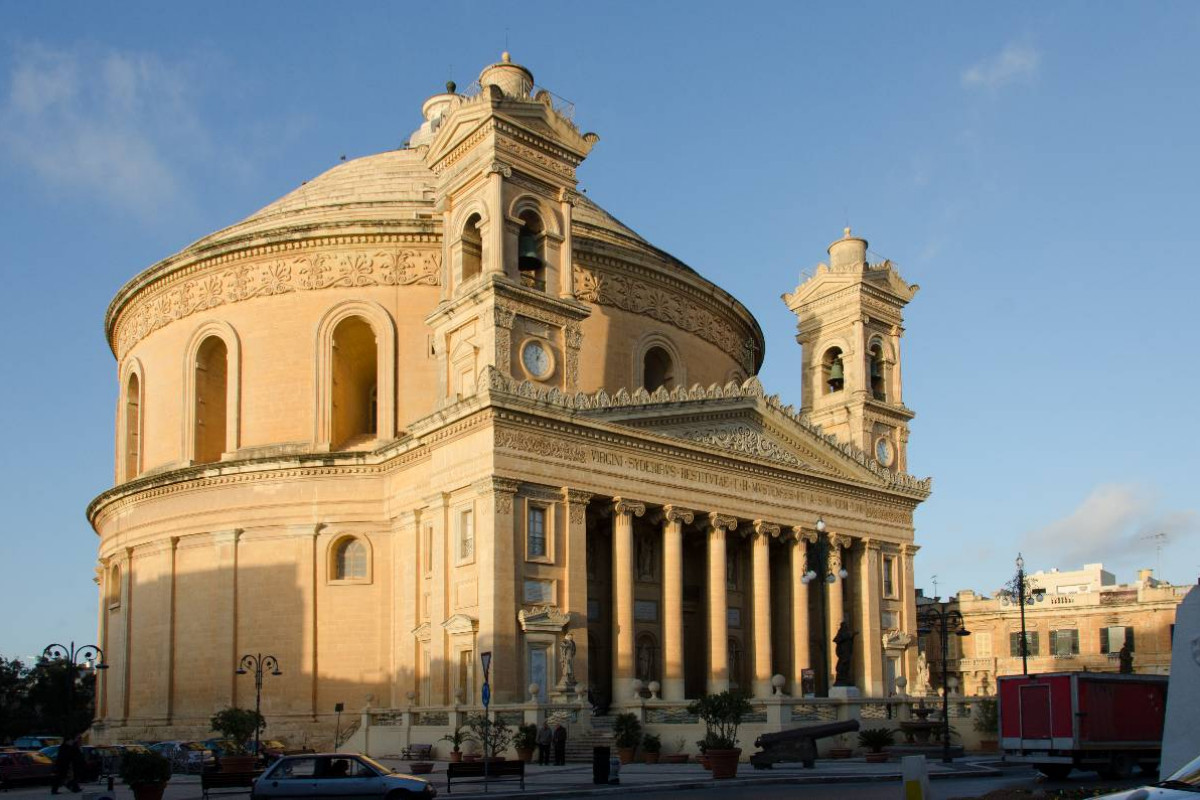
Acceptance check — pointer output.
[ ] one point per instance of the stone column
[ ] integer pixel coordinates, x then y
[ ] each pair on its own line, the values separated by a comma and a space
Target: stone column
871, 641
836, 609
760, 562
908, 616
674, 518
498, 222
566, 266
623, 645
801, 658
575, 561
718, 604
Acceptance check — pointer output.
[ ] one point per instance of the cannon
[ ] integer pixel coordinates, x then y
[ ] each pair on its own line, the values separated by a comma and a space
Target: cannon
798, 744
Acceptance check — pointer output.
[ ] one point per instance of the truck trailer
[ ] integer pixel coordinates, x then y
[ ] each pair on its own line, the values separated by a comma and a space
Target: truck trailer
1098, 721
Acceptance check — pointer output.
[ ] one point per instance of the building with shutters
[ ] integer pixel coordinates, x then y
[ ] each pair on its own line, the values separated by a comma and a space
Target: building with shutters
436, 402
1075, 620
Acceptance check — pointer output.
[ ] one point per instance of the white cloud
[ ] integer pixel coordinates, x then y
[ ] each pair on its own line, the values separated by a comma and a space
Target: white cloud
1113, 525
106, 124
1016, 62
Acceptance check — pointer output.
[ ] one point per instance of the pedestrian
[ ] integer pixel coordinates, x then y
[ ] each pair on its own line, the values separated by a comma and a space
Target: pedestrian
544, 739
67, 766
560, 745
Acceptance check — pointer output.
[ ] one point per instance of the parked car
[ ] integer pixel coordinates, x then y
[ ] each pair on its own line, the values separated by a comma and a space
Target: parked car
93, 761
36, 742
271, 749
190, 757
224, 747
1184, 784
24, 766
336, 775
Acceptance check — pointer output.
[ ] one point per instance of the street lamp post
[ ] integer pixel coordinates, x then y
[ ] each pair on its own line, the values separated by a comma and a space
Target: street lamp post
258, 662
1021, 602
822, 548
89, 656
946, 621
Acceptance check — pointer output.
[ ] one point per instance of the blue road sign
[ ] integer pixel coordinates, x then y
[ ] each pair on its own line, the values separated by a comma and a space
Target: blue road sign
487, 695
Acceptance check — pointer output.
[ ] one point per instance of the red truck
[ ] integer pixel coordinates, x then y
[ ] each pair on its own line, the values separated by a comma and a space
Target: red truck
1098, 721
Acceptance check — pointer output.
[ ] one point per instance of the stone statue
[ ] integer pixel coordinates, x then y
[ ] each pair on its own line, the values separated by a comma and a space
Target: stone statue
1126, 659
844, 643
922, 687
566, 657
645, 558
645, 661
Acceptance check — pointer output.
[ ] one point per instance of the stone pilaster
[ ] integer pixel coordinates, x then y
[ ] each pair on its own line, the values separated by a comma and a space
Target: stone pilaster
496, 559
908, 617
674, 519
801, 657
718, 603
836, 609
623, 641
869, 579
575, 569
760, 563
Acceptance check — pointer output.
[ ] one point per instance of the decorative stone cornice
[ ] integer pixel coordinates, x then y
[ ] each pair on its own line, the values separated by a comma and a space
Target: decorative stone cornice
543, 619
460, 624
623, 505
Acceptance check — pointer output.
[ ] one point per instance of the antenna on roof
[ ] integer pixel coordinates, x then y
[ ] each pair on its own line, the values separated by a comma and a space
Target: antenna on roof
1160, 539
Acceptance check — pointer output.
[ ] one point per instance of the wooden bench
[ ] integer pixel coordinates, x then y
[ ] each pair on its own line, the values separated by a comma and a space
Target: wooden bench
417, 752
472, 772
241, 781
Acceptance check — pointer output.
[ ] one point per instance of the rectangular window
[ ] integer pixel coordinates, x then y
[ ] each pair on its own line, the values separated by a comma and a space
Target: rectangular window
539, 660
538, 592
1031, 643
1064, 642
889, 576
465, 662
535, 532
1112, 637
983, 644
466, 535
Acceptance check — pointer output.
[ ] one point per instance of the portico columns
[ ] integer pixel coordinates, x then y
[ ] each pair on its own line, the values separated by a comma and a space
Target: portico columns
674, 518
801, 657
622, 583
837, 612
718, 604
760, 563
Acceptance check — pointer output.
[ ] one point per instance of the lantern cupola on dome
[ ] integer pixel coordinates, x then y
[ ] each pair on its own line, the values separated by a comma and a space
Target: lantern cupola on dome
512, 79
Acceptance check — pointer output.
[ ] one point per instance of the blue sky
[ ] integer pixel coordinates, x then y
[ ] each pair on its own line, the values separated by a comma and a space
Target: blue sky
1032, 166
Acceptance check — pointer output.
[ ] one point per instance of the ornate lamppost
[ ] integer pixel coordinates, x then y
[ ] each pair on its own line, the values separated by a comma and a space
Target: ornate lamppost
89, 656
945, 621
831, 577
258, 662
1022, 591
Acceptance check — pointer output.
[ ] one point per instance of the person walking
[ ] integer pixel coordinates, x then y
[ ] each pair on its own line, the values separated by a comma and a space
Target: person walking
545, 738
67, 766
560, 745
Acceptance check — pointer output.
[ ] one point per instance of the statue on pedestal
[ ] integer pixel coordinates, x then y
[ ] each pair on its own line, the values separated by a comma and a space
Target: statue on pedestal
844, 643
566, 659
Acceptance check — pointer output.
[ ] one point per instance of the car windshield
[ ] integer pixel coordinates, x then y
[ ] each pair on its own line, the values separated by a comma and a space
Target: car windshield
192, 746
375, 765
1188, 775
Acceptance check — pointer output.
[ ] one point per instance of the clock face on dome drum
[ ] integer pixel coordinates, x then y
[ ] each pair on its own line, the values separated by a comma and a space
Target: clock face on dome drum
537, 359
883, 451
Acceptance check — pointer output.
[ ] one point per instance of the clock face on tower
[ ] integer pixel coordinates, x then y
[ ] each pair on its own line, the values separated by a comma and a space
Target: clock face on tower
537, 359
883, 451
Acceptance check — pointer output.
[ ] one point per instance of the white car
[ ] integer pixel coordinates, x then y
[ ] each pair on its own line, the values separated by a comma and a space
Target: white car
1184, 783
337, 775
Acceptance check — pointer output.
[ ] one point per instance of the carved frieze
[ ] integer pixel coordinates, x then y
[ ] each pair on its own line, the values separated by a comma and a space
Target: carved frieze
244, 281
742, 439
540, 446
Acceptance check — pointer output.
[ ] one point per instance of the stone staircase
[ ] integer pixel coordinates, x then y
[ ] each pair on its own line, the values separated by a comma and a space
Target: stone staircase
586, 734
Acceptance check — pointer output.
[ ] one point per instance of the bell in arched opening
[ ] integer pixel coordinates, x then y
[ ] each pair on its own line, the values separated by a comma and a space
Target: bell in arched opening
837, 375
529, 255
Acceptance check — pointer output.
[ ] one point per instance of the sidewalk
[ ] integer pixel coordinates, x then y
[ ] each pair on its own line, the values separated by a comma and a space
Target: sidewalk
575, 780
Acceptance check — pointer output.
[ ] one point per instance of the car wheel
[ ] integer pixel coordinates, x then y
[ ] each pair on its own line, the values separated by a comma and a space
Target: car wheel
1055, 772
399, 794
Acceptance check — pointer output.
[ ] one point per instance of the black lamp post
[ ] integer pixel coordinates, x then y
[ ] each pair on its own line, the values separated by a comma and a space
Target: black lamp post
822, 559
945, 621
258, 662
86, 657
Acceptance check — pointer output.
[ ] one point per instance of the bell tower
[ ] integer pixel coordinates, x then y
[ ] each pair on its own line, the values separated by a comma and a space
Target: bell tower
849, 325
505, 159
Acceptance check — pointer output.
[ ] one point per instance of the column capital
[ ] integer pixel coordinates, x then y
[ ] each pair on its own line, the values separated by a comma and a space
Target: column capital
622, 505
721, 522
678, 514
870, 544
909, 549
839, 540
495, 483
765, 529
801, 536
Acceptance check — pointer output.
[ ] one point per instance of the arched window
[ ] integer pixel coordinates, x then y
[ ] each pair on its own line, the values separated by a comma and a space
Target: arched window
876, 367
531, 252
212, 383
658, 369
833, 370
133, 427
354, 397
114, 586
350, 560
472, 248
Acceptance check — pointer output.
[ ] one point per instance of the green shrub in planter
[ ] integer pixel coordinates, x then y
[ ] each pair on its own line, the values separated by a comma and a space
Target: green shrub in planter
144, 769
875, 739
526, 738
987, 717
627, 730
722, 714
652, 743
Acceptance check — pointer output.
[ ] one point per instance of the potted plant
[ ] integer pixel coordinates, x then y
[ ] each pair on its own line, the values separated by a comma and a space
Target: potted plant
492, 735
238, 725
457, 738
722, 714
987, 722
526, 741
702, 756
679, 756
875, 739
839, 748
651, 748
146, 774
627, 731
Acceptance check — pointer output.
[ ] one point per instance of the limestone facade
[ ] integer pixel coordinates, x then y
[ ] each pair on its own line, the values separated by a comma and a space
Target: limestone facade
436, 402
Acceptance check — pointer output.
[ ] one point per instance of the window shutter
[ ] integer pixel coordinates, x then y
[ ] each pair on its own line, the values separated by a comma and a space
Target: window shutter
1014, 645
1104, 640
1129, 637
1053, 643
1075, 642
1033, 644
